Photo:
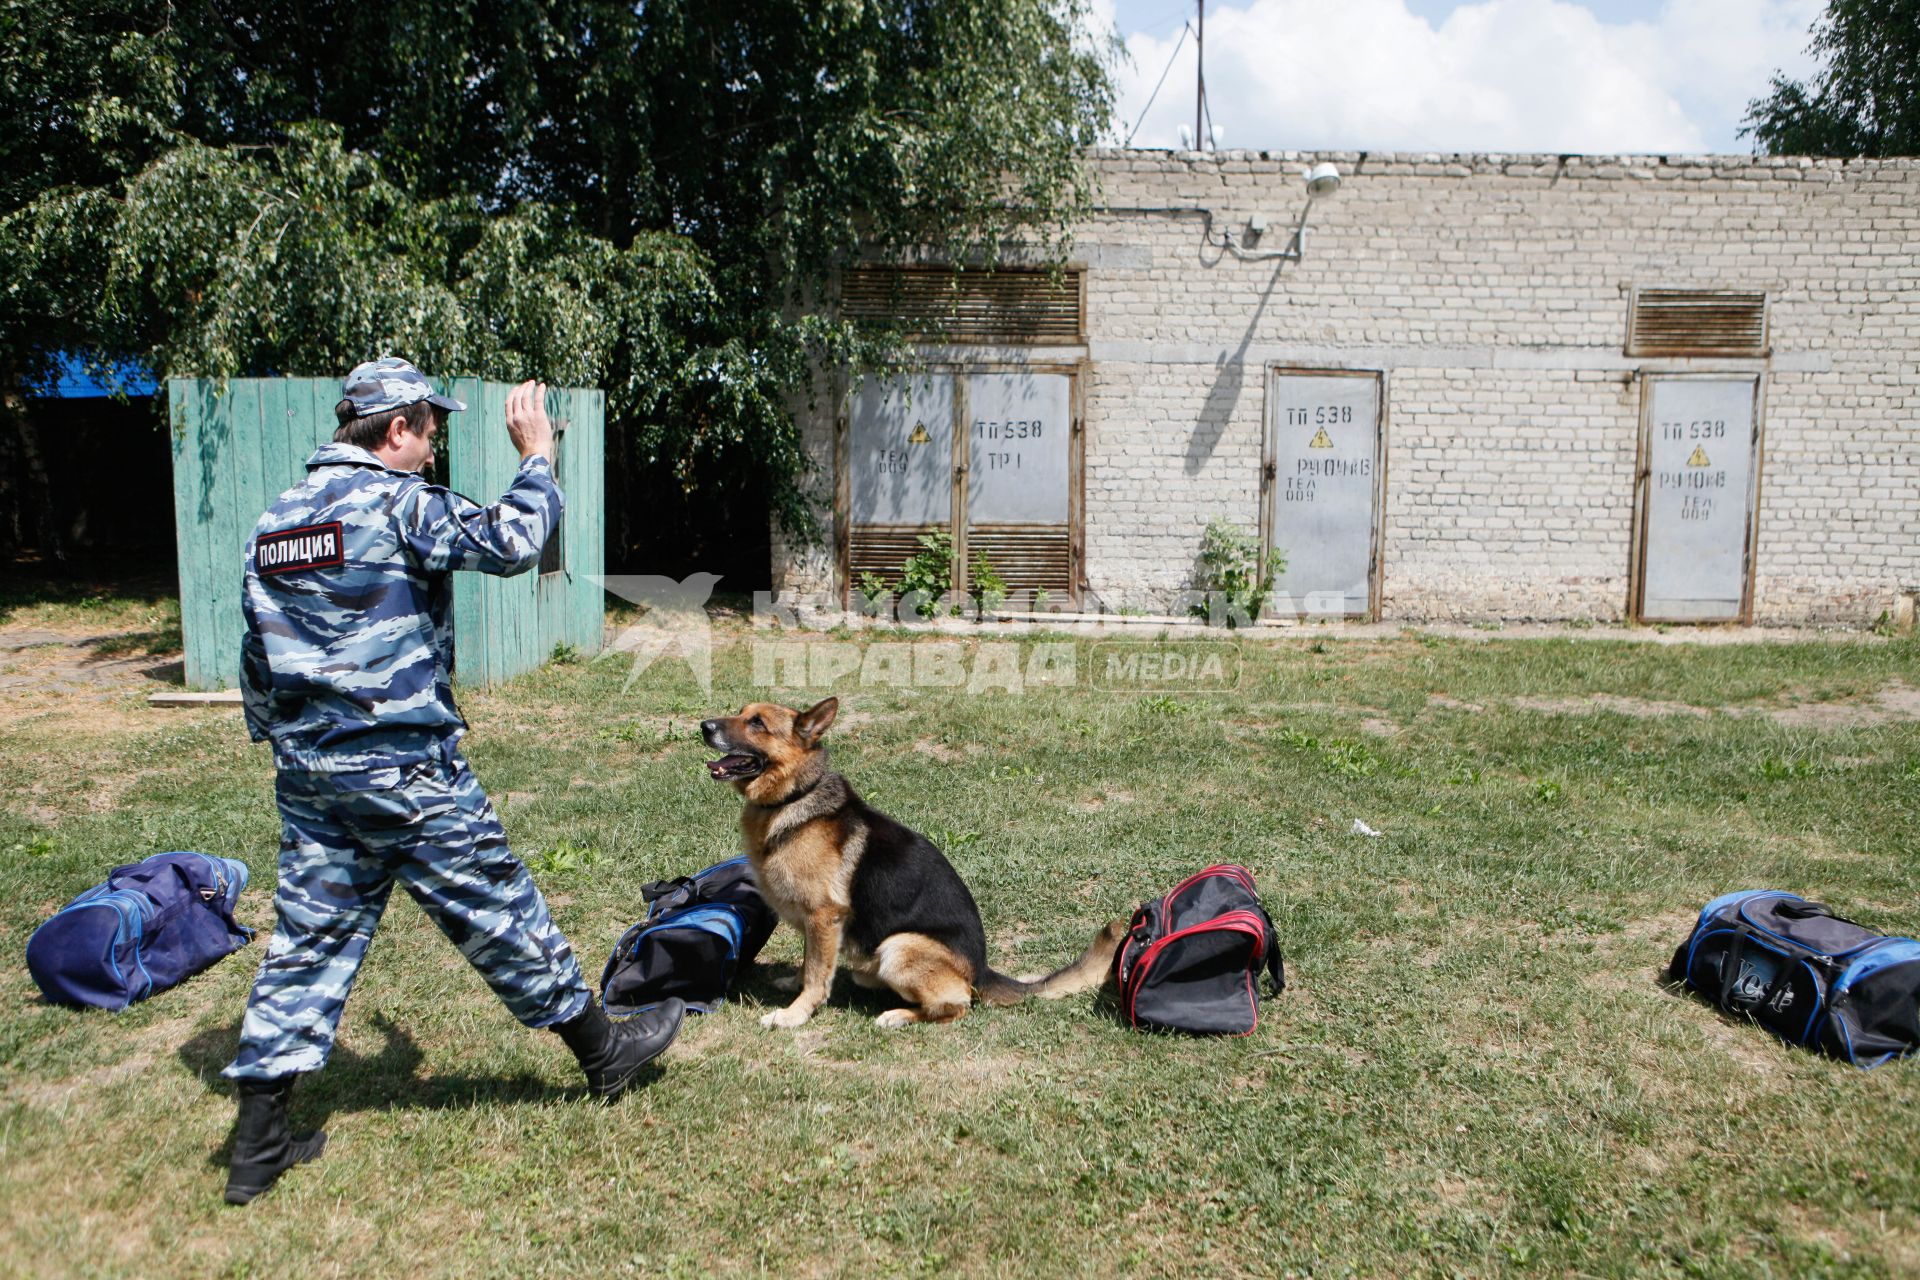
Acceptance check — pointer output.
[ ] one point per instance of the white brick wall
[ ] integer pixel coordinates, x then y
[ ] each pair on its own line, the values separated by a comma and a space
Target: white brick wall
1492, 290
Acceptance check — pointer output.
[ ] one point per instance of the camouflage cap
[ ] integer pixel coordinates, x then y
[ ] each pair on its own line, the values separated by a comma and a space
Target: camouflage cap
391, 383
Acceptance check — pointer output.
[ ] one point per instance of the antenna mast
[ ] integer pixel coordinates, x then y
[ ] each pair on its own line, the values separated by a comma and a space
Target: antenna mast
1200, 77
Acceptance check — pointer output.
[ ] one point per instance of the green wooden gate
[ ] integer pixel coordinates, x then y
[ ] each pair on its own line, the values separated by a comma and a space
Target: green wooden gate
236, 450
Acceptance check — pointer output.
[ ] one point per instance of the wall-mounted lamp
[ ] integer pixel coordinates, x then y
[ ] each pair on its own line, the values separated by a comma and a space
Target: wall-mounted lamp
1322, 180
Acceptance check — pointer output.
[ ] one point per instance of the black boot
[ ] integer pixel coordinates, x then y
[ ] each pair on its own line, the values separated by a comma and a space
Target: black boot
263, 1146
612, 1053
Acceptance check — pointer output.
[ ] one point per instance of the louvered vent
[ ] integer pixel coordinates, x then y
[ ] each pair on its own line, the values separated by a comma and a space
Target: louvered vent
1030, 557
882, 549
1697, 322
938, 304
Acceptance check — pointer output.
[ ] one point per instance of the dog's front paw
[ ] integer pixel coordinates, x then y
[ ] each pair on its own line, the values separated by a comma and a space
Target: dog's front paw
897, 1018
791, 1016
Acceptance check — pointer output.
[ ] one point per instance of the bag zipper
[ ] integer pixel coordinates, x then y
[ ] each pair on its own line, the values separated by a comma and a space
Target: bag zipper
1751, 923
1229, 869
1123, 972
692, 918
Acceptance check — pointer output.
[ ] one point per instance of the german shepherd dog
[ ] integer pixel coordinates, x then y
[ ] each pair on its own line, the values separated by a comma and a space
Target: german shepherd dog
863, 889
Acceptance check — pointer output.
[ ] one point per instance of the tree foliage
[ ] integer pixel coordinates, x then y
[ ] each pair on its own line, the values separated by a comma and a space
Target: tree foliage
1864, 101
640, 196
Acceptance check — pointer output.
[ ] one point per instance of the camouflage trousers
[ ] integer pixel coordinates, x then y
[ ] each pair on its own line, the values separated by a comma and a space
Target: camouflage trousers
346, 838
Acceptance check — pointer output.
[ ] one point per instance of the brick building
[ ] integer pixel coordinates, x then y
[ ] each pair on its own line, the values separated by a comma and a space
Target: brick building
1490, 386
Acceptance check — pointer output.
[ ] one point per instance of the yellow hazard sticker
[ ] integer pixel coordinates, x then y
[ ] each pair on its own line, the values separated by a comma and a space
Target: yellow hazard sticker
919, 435
1699, 458
1321, 440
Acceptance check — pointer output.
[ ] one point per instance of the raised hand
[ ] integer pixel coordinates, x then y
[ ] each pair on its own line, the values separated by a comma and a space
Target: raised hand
527, 422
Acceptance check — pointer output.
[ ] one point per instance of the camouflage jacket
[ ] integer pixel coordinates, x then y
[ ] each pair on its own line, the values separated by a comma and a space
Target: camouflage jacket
348, 653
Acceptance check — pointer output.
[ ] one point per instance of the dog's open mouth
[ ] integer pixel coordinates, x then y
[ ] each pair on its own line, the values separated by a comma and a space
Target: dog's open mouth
740, 764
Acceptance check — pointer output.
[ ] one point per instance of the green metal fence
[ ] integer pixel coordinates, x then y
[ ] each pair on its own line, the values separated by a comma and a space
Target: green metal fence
238, 448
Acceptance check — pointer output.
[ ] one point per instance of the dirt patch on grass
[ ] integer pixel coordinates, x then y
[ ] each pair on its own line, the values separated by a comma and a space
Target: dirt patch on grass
1105, 797
68, 661
1590, 704
1444, 703
58, 1093
149, 1045
946, 753
1669, 927
80, 678
1891, 1238
1752, 1047
1896, 703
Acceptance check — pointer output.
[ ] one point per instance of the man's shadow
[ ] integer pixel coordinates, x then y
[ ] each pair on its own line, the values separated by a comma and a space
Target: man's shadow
389, 1080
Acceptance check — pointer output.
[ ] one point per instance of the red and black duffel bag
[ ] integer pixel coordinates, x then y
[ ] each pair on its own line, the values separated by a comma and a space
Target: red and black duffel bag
1190, 960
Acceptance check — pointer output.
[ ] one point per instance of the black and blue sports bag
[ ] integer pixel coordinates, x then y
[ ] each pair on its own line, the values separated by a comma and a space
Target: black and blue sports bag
1806, 975
149, 926
699, 932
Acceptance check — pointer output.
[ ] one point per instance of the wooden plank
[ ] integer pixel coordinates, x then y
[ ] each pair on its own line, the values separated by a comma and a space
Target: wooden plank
319, 427
567, 606
203, 698
591, 540
549, 622
560, 602
250, 414
460, 469
231, 416
184, 408
507, 626
519, 618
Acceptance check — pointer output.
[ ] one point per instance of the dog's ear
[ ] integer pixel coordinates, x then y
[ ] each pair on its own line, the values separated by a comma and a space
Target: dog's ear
816, 720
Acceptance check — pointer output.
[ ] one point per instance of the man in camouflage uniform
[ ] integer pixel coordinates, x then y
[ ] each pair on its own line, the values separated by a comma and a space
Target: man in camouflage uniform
346, 668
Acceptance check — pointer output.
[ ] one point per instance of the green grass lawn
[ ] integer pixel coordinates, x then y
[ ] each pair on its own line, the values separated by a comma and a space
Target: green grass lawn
1478, 1069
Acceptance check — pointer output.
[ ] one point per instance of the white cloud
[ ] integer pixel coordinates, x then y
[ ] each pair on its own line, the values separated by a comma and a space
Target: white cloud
1505, 75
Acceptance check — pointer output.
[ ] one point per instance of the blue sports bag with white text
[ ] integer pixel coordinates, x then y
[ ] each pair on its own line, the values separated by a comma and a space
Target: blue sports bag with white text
1806, 975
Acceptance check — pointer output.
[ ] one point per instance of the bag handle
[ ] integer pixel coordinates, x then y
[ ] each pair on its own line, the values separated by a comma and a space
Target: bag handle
656, 889
1276, 970
1802, 910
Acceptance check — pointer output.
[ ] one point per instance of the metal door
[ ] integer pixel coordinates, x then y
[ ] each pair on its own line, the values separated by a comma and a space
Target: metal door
1018, 478
898, 469
1323, 488
1698, 481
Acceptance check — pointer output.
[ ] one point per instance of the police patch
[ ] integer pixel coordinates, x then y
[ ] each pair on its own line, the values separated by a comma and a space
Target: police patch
312, 546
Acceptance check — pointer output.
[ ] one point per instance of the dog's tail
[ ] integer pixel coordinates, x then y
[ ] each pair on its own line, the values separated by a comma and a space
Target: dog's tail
1084, 974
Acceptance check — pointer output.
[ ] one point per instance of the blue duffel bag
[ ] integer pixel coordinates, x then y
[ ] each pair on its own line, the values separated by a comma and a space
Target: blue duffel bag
150, 926
700, 931
1806, 975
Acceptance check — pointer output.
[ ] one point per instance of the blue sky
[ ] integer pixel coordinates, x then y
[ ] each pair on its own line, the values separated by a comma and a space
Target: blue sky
1604, 76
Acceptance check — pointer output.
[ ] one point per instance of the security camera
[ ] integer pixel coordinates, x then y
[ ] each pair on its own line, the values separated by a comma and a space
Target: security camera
1323, 180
